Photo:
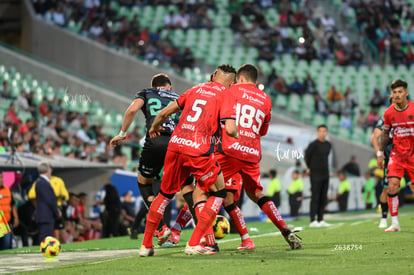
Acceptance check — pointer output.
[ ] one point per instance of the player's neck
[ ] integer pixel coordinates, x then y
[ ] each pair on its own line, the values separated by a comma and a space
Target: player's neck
401, 106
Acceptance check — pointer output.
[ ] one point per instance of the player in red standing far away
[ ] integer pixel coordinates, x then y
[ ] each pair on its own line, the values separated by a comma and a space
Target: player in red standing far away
189, 151
253, 112
399, 117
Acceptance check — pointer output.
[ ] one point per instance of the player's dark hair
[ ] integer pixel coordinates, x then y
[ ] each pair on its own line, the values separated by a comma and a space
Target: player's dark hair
273, 173
322, 126
248, 71
160, 80
398, 83
226, 68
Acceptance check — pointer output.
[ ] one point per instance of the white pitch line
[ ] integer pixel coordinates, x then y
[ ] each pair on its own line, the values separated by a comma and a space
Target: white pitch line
359, 222
335, 226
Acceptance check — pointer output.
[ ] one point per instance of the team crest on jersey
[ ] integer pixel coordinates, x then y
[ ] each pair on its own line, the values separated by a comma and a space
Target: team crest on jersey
410, 117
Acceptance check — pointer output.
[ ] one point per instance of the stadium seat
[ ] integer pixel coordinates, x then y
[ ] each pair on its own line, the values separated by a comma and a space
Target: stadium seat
281, 101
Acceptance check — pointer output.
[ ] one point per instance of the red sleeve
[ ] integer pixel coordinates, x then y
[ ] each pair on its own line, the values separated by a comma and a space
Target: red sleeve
228, 106
387, 121
182, 99
265, 125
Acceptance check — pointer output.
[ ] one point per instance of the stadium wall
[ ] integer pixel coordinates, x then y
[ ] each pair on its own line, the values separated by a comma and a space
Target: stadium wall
86, 57
343, 149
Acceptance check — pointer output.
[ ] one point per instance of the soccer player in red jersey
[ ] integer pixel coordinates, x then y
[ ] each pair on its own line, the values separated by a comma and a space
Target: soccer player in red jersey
253, 112
399, 117
189, 151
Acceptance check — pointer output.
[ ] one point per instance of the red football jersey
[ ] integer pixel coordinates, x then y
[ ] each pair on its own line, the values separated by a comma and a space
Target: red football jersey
204, 106
402, 122
253, 111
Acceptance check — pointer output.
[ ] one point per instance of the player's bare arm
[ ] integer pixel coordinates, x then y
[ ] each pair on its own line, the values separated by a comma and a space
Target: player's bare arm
375, 136
129, 116
231, 128
156, 128
383, 141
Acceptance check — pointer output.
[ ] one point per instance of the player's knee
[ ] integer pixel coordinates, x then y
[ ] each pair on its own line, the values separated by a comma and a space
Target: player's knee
220, 194
262, 201
229, 199
168, 196
229, 208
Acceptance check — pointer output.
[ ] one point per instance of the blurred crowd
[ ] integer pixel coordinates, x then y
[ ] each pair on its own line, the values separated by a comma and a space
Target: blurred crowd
51, 129
389, 26
320, 36
343, 104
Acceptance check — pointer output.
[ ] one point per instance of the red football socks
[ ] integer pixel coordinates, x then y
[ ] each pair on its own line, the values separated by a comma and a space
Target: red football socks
269, 208
205, 220
393, 205
155, 214
209, 236
239, 223
183, 218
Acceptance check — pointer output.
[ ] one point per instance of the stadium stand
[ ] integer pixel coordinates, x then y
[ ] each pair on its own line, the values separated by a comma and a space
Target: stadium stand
49, 121
174, 37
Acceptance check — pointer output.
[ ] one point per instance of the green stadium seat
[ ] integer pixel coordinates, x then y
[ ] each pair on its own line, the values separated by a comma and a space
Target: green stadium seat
318, 119
344, 133
281, 101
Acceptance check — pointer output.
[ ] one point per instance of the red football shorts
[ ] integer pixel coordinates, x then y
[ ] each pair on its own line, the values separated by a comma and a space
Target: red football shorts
234, 185
178, 167
250, 172
397, 168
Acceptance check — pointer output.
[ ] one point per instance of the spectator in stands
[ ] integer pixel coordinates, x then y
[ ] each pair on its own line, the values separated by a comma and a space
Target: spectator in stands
372, 117
236, 23
169, 20
346, 121
344, 12
336, 104
182, 20
201, 19
410, 57
343, 192
22, 102
341, 56
352, 167
333, 93
357, 57
280, 86
377, 100
271, 78
296, 87
5, 91
321, 107
188, 59
280, 46
50, 132
397, 55
350, 101
328, 23
266, 51
12, 113
300, 51
8, 206
309, 85
96, 29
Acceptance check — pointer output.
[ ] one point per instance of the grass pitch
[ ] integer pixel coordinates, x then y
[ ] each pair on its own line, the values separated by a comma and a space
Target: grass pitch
353, 245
